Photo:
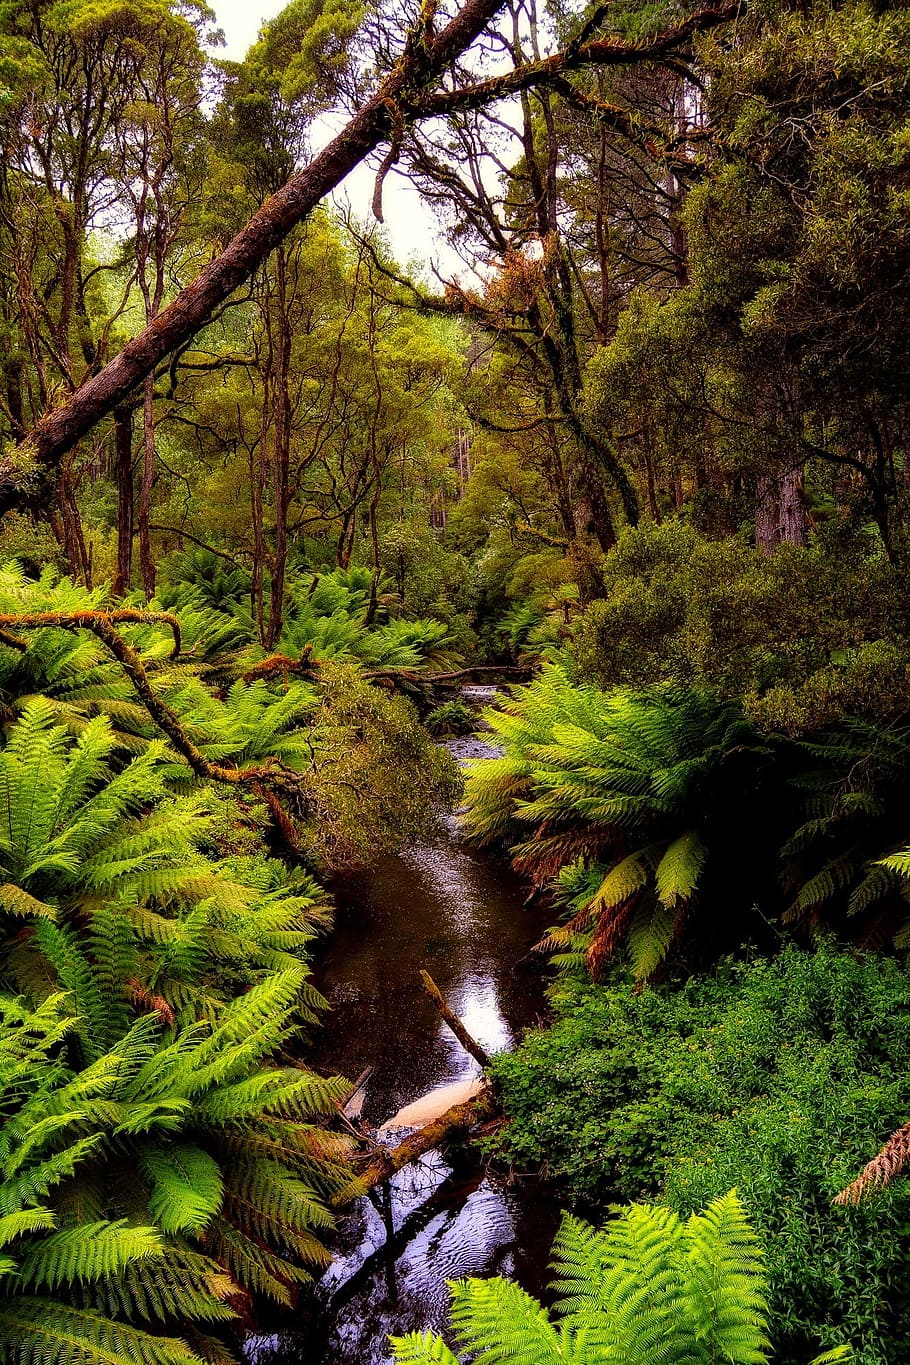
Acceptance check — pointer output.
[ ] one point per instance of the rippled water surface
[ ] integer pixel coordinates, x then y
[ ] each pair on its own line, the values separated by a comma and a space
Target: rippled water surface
459, 914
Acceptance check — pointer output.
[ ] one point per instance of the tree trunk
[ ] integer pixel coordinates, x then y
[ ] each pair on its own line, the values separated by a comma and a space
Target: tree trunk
123, 455
793, 506
146, 562
282, 449
73, 539
12, 378
780, 512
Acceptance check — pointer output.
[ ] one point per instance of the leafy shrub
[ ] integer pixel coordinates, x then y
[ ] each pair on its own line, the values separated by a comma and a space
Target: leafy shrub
649, 1287
376, 779
776, 1077
806, 636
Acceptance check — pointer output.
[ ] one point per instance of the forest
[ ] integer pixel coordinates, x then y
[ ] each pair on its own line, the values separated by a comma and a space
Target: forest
472, 683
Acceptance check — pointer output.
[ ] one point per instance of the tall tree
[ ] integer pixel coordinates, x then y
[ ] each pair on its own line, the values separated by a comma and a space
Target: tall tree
415, 88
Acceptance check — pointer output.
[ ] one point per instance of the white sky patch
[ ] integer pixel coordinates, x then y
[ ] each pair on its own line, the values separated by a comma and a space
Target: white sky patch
412, 228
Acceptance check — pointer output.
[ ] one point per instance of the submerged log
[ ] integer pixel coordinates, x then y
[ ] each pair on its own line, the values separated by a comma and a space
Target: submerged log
455, 1122
352, 1104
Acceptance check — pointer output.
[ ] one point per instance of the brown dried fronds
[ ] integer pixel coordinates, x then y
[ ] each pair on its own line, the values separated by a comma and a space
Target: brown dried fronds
608, 936
545, 855
283, 664
148, 1000
892, 1160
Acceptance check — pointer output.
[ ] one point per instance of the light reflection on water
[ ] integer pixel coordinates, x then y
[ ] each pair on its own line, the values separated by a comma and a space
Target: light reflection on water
459, 914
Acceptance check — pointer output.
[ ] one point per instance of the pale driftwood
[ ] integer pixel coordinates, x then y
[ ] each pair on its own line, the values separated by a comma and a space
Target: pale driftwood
461, 1033
455, 1122
428, 1107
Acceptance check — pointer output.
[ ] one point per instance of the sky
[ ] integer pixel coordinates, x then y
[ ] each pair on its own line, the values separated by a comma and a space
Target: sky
412, 228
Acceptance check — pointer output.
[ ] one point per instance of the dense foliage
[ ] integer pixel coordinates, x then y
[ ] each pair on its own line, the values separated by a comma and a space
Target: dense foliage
648, 1286
774, 1076
266, 495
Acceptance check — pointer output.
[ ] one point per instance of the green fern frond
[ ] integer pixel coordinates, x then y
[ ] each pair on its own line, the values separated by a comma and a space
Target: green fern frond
421, 1348
186, 1186
678, 872
86, 1252
488, 1313
651, 932
45, 1332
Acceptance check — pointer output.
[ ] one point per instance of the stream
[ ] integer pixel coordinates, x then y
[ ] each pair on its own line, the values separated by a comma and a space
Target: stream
459, 913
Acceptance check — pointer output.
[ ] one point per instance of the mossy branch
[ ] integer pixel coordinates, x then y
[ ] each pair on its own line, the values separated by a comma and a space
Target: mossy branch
102, 625
83, 620
282, 664
607, 52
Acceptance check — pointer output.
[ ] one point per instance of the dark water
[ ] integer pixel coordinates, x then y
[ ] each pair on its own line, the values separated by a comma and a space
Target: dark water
459, 914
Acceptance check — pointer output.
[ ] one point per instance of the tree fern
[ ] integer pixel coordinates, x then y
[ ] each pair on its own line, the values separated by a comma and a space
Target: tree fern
640, 788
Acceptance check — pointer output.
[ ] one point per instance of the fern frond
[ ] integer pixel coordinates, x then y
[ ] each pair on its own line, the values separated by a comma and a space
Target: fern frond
86, 1252
421, 1348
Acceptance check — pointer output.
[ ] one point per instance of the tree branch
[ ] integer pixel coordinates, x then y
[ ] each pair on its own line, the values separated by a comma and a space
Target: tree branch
100, 623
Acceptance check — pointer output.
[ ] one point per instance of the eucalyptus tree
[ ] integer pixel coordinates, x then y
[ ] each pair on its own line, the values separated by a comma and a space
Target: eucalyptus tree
365, 407
91, 127
783, 359
430, 76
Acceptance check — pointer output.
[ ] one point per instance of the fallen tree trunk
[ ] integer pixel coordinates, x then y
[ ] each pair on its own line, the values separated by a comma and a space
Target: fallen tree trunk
455, 1122
414, 89
517, 671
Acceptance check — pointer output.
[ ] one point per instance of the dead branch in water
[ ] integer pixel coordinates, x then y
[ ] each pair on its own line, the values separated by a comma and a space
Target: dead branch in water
461, 1033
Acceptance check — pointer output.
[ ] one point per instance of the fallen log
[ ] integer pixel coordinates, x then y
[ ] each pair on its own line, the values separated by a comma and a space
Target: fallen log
461, 1033
455, 1122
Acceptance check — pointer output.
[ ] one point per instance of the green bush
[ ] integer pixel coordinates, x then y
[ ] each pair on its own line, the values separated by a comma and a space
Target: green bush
451, 718
780, 1078
805, 635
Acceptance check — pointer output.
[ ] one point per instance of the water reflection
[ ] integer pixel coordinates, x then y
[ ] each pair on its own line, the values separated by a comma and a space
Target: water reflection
430, 1225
